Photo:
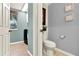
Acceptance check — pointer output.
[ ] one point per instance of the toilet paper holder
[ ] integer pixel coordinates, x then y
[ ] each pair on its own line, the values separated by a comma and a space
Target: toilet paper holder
62, 36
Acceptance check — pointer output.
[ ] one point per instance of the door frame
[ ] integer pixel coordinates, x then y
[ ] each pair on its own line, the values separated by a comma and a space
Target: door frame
37, 26
37, 42
34, 29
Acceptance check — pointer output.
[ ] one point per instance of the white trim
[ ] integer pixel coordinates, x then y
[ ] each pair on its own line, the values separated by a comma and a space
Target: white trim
34, 29
39, 34
66, 53
16, 42
6, 6
29, 53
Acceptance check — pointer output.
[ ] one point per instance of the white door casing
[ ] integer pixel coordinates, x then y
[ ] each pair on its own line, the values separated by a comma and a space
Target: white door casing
35, 44
45, 33
1, 34
39, 18
4, 29
42, 35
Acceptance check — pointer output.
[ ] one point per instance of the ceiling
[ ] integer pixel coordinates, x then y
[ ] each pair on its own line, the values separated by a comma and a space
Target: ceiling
18, 6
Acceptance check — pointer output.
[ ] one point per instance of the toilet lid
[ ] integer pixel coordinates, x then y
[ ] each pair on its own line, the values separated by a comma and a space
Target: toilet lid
49, 43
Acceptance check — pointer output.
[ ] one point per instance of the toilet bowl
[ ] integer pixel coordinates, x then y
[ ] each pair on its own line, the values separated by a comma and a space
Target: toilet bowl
48, 47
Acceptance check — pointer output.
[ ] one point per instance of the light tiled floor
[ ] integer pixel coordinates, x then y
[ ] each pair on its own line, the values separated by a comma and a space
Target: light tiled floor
19, 49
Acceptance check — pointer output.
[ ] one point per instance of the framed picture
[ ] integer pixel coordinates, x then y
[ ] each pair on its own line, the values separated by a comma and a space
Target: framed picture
68, 7
68, 18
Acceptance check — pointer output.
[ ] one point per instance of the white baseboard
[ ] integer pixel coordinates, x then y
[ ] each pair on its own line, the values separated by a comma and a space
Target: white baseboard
66, 53
16, 42
29, 53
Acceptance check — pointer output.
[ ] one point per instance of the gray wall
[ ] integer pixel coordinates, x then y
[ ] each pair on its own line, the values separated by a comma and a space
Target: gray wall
17, 35
57, 26
30, 27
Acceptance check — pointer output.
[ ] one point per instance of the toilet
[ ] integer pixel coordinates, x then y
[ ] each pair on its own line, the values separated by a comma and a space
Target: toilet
48, 47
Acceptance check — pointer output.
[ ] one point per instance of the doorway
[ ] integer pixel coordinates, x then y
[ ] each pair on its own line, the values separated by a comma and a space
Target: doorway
18, 29
7, 27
